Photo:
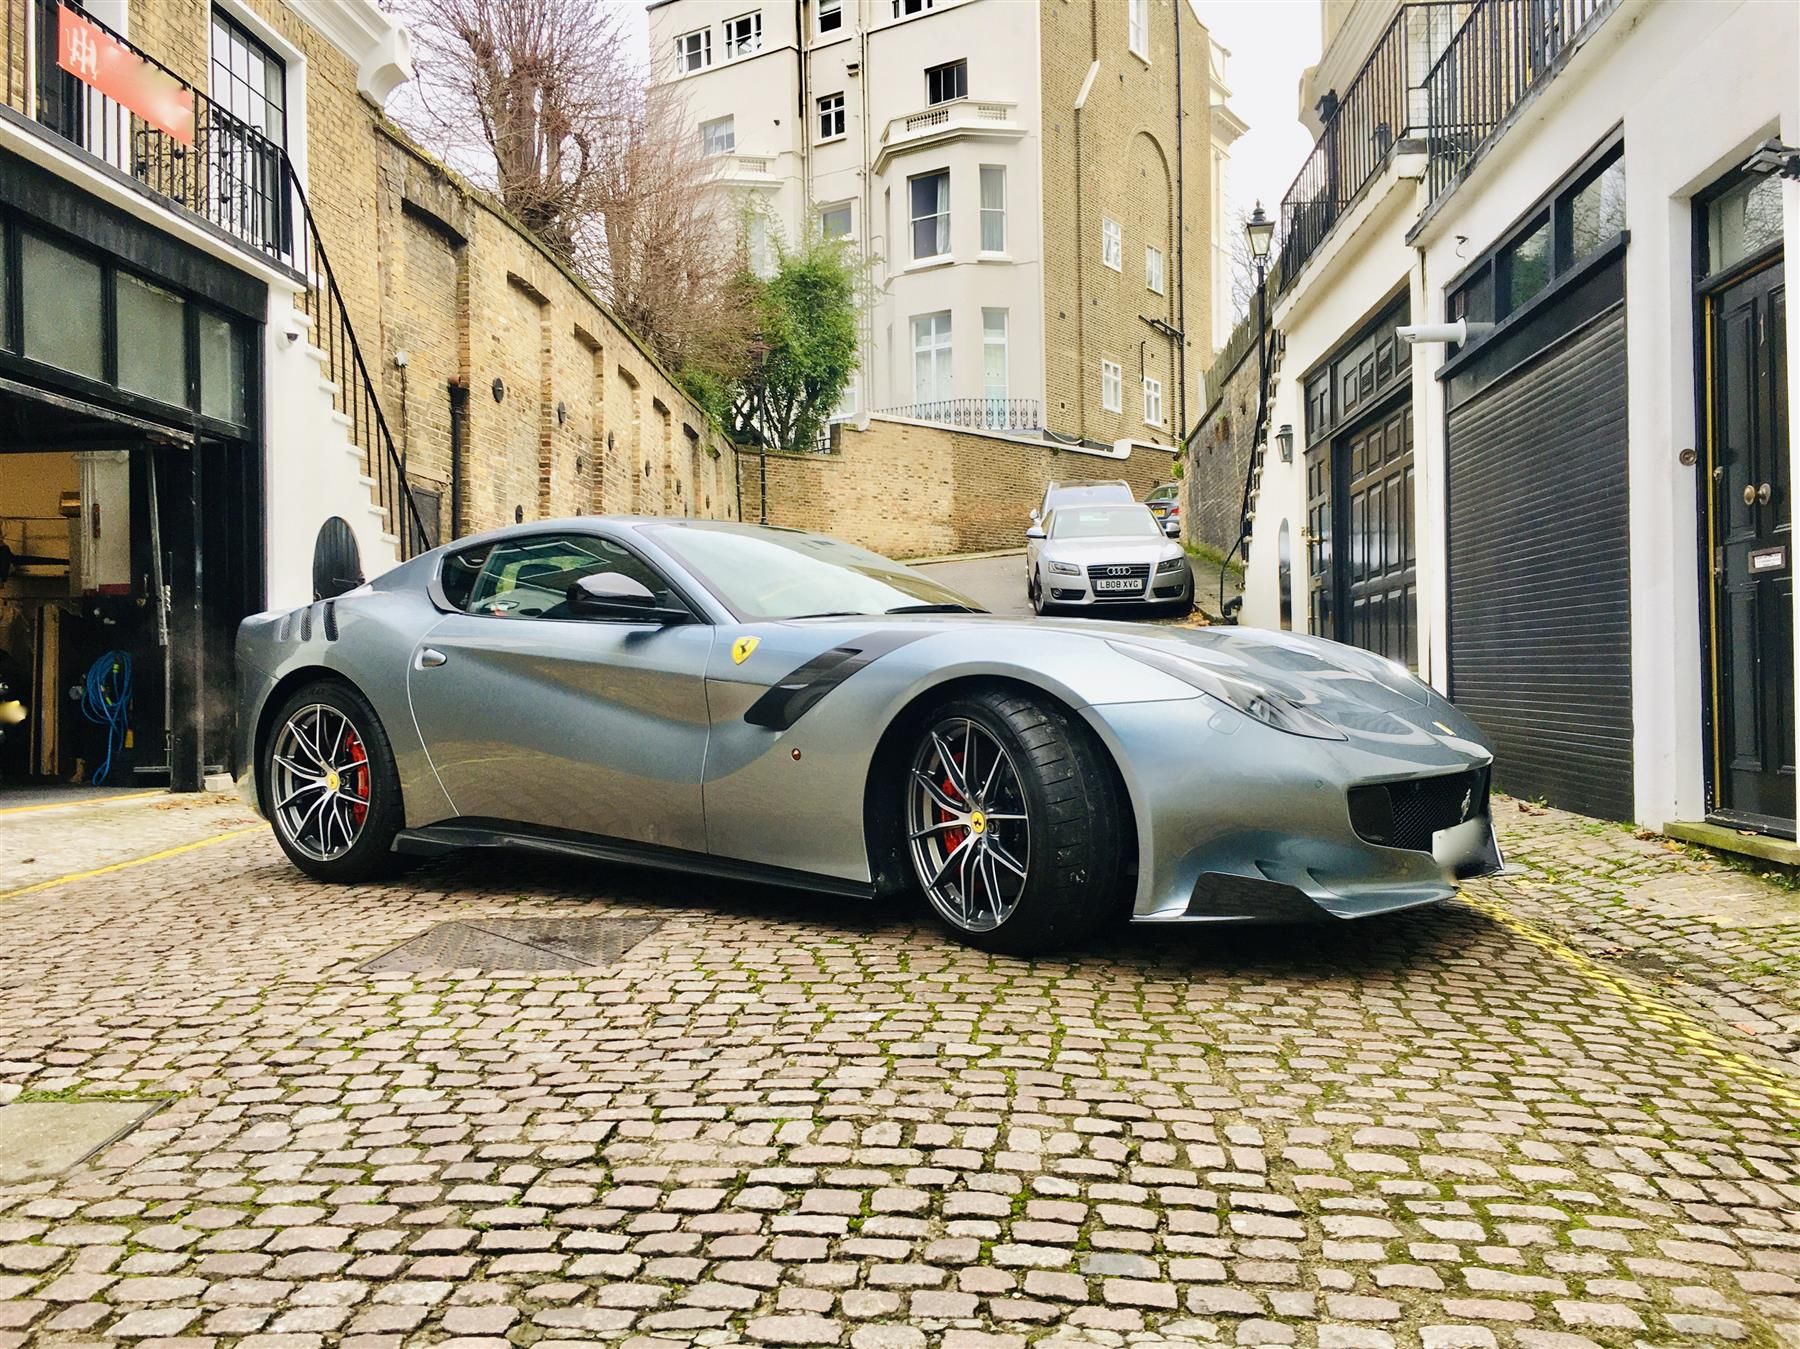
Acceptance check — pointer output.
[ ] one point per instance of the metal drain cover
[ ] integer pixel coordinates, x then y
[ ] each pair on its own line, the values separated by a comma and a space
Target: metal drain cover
515, 944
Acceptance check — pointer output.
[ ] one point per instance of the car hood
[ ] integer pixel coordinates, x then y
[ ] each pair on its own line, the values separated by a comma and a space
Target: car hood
1123, 548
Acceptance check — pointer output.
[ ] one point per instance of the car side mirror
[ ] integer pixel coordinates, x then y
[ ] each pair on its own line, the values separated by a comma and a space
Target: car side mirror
609, 594
1036, 532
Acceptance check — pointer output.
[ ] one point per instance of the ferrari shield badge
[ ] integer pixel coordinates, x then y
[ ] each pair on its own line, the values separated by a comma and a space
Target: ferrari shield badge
741, 649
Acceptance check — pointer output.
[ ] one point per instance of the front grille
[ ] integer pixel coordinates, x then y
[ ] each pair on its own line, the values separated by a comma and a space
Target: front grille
1407, 814
1138, 573
1058, 593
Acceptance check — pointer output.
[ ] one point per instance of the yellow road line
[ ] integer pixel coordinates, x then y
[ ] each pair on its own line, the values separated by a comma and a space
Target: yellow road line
111, 867
85, 801
1696, 1034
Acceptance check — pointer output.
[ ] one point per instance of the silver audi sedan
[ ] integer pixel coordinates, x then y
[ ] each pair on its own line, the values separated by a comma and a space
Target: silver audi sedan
1093, 556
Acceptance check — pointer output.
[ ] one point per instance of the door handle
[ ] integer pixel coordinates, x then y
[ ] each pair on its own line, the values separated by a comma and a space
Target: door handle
1763, 494
430, 658
1749, 494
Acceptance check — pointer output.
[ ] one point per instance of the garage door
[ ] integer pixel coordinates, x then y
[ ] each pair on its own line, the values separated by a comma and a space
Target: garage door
1539, 572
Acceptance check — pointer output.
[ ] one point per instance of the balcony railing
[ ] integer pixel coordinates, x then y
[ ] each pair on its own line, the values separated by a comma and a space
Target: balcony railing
973, 414
1381, 106
1501, 51
230, 177
989, 118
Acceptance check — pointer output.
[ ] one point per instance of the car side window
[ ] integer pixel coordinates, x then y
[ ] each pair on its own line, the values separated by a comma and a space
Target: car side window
530, 577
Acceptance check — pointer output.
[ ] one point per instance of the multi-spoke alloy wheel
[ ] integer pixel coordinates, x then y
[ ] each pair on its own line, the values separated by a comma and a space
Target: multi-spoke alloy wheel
969, 825
319, 782
328, 782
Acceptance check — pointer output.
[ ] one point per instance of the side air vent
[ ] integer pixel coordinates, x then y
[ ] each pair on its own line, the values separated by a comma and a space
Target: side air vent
331, 620
306, 624
286, 629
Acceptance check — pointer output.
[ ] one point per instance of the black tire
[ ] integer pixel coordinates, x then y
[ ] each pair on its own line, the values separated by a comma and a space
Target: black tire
370, 854
1035, 590
1076, 853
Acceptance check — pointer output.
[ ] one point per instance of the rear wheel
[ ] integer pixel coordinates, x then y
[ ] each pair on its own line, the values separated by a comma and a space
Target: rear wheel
1012, 823
1036, 592
330, 787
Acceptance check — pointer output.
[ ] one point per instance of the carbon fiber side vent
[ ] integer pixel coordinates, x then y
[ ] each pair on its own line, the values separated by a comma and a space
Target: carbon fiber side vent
331, 620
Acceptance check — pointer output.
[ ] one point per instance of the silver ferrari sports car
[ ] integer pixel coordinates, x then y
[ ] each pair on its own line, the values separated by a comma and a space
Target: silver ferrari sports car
775, 706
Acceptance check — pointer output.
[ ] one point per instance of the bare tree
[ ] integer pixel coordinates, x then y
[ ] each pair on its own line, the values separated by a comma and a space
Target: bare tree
1242, 271
541, 101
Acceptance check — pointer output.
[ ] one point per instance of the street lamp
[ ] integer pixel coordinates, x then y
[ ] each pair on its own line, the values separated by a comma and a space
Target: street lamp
1260, 231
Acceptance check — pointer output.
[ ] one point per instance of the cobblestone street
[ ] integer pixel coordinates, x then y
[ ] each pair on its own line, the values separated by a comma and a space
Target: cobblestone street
1564, 1112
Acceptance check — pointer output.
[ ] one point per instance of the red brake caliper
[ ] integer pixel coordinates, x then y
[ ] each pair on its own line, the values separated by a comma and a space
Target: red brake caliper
359, 777
952, 837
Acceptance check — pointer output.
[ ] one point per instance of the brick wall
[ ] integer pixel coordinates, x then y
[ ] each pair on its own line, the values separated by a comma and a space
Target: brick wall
1117, 159
909, 490
585, 422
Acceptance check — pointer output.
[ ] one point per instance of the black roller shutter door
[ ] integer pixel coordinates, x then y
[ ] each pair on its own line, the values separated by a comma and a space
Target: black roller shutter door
1539, 544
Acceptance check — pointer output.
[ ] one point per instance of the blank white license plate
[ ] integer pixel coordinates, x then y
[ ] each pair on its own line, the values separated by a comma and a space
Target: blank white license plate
1118, 583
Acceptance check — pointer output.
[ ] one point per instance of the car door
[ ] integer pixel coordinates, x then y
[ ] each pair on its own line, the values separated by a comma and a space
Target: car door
535, 714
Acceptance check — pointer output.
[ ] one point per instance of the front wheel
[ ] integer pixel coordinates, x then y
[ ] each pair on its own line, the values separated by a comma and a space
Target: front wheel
330, 787
1013, 823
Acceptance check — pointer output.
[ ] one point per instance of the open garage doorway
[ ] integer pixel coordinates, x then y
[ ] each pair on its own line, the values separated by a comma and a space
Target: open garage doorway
131, 552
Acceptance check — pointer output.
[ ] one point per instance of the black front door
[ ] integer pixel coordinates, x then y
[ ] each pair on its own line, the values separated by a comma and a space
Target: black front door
1379, 602
1753, 566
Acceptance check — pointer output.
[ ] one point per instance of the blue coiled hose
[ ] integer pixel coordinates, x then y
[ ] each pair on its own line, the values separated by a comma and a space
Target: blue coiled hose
106, 702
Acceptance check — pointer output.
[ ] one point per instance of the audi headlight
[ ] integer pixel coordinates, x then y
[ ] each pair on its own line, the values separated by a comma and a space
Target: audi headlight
1065, 568
1169, 564
1243, 695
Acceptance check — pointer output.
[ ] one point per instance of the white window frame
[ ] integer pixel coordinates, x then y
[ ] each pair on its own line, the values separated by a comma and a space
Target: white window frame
906, 8
1153, 276
683, 62
1112, 386
993, 214
912, 229
1137, 28
835, 8
1153, 401
708, 132
832, 208
748, 44
1112, 244
939, 346
759, 246
945, 67
990, 344
828, 106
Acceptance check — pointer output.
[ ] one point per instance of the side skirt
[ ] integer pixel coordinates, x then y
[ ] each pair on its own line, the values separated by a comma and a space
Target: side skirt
436, 839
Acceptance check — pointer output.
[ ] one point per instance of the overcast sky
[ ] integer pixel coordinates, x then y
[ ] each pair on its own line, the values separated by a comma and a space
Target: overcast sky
1271, 42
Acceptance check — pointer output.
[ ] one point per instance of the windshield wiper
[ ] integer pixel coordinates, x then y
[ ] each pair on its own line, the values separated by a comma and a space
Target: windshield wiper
832, 613
937, 609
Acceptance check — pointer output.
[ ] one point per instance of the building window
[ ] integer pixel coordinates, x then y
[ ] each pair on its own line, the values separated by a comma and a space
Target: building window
1742, 221
693, 51
902, 8
743, 36
993, 208
1596, 212
149, 362
223, 383
834, 221
248, 79
1112, 386
756, 246
930, 193
1153, 269
1112, 244
719, 136
831, 16
1525, 267
931, 359
63, 311
1137, 35
831, 117
1153, 413
947, 83
993, 365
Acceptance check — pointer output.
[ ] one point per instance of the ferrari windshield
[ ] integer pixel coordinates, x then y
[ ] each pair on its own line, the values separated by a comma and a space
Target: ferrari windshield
1103, 522
776, 573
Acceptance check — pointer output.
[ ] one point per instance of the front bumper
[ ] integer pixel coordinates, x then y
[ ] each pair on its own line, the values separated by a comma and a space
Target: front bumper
1241, 823
1075, 592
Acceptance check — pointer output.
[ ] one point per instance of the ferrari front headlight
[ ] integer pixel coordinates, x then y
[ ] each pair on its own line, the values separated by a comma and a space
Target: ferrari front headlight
1254, 700
1065, 569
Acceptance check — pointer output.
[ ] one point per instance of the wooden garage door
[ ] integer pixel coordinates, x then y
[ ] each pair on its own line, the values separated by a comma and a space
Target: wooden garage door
1539, 555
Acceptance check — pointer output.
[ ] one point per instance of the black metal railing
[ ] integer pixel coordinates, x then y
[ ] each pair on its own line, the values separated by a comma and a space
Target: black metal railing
973, 414
1500, 51
1380, 107
232, 177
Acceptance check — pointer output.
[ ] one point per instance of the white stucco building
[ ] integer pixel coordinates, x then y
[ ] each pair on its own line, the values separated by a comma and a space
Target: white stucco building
1574, 516
918, 129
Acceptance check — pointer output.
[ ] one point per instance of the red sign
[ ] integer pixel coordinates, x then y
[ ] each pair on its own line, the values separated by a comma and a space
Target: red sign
98, 59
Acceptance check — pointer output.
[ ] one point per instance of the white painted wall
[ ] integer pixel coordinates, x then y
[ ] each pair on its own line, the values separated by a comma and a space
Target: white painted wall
1695, 87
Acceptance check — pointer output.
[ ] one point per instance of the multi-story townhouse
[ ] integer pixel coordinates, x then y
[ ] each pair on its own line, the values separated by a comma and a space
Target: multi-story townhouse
1531, 412
254, 343
1033, 187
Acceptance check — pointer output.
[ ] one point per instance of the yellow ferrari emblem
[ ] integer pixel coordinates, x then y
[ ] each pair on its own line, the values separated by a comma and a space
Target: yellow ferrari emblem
741, 649
977, 821
331, 779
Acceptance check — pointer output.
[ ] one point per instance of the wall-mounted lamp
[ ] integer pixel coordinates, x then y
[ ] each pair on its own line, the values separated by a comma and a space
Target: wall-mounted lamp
499, 387
1284, 442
